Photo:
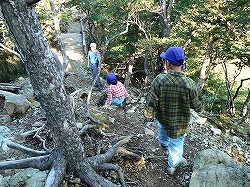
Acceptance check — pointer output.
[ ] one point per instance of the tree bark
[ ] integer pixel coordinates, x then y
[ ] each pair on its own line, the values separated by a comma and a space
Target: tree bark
10, 87
207, 63
165, 17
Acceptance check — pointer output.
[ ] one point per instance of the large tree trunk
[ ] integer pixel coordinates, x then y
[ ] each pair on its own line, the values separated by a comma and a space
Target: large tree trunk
46, 76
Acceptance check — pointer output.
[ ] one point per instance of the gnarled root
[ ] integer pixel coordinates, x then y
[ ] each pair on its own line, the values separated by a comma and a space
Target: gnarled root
40, 162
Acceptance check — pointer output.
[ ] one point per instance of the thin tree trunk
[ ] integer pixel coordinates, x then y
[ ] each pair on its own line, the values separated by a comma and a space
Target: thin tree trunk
58, 34
165, 17
207, 63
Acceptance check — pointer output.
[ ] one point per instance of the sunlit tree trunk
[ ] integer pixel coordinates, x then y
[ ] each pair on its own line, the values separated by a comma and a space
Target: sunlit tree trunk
165, 16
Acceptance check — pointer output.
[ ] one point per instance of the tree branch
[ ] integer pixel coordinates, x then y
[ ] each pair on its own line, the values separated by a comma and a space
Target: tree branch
26, 150
13, 52
31, 2
102, 158
41, 163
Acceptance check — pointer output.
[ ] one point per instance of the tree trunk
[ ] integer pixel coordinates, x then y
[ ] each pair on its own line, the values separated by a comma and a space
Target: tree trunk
165, 17
207, 63
58, 34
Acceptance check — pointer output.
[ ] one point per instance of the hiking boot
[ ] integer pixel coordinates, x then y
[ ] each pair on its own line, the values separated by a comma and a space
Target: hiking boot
164, 147
171, 171
183, 163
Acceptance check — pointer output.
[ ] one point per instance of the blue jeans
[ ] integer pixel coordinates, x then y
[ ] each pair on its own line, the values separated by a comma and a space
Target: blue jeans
94, 75
116, 101
175, 146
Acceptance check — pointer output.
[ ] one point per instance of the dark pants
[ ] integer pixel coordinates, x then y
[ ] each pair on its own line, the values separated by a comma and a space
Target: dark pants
94, 75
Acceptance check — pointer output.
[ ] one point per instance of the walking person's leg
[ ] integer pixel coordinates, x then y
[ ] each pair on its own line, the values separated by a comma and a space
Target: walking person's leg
175, 153
95, 74
162, 136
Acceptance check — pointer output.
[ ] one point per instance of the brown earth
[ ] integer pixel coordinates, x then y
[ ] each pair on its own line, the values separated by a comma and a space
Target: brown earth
151, 169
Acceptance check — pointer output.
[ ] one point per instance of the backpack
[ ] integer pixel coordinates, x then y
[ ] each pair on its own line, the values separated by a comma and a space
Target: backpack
96, 53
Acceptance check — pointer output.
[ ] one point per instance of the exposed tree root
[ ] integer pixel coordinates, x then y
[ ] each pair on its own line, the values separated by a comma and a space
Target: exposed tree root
40, 162
56, 173
97, 160
118, 169
26, 150
85, 128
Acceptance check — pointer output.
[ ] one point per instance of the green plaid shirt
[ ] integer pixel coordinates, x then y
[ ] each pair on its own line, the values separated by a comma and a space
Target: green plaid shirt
170, 99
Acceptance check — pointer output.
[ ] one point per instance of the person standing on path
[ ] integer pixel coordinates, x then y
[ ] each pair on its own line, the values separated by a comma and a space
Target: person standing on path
170, 99
94, 60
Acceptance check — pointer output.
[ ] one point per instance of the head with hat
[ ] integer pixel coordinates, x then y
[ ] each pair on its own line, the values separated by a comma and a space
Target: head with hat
175, 56
111, 79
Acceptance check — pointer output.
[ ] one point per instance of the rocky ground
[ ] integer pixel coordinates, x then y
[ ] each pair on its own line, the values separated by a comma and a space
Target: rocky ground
150, 169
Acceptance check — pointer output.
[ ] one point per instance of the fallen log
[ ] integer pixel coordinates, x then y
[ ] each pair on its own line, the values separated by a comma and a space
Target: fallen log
10, 87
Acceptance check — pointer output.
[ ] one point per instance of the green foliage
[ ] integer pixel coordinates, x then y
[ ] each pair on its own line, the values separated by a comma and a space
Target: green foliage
10, 67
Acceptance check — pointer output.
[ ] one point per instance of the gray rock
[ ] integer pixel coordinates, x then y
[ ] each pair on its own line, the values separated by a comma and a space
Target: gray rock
15, 103
28, 178
5, 132
5, 119
215, 168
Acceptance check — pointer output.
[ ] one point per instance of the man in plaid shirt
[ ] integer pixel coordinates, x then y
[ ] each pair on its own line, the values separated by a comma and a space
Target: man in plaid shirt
170, 99
116, 91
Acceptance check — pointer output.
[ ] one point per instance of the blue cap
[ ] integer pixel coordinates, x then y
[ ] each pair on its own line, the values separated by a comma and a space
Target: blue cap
111, 77
174, 55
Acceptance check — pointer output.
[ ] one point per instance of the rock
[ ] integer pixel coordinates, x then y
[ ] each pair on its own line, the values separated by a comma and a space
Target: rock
200, 120
5, 119
215, 131
27, 90
215, 168
79, 125
15, 103
5, 132
28, 177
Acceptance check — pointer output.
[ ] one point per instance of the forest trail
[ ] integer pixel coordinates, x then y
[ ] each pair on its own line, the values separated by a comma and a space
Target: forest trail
74, 47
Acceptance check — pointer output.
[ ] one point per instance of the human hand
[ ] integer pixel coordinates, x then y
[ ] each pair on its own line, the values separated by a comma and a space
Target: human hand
150, 125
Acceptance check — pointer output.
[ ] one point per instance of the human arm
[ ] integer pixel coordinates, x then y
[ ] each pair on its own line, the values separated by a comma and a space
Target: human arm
151, 102
109, 96
88, 57
196, 99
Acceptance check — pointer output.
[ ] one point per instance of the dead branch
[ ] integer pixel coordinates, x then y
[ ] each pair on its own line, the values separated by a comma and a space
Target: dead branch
103, 158
13, 52
40, 162
124, 151
26, 150
28, 133
10, 87
43, 141
85, 128
115, 167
